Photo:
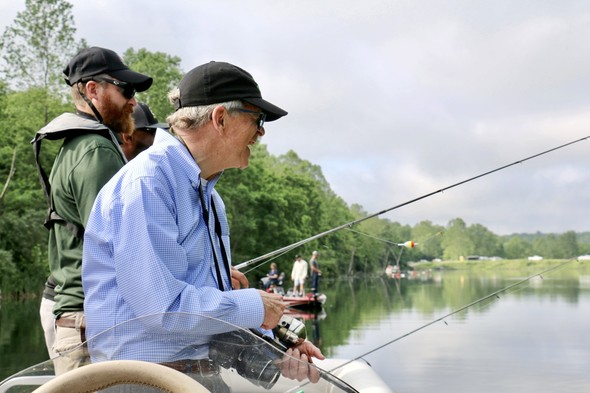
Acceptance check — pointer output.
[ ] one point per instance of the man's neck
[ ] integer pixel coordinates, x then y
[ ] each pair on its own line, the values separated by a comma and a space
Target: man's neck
86, 115
202, 149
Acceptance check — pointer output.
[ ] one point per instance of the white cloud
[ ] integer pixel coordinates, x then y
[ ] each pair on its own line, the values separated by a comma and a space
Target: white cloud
398, 99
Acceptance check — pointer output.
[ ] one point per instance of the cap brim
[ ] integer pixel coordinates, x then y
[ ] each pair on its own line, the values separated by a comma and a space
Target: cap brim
164, 126
273, 112
140, 81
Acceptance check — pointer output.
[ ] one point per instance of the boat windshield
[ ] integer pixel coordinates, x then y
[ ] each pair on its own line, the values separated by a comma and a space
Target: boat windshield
212, 351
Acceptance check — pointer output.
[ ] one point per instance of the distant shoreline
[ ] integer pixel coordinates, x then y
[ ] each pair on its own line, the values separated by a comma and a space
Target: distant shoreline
506, 264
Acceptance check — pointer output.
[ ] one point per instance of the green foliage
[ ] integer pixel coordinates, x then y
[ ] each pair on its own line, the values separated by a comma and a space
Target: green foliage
38, 44
429, 239
165, 70
23, 117
556, 246
456, 241
484, 242
22, 211
24, 265
516, 247
378, 248
583, 237
7, 268
567, 245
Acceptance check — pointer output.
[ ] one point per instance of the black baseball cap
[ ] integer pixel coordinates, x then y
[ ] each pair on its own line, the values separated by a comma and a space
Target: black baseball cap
217, 82
144, 118
94, 61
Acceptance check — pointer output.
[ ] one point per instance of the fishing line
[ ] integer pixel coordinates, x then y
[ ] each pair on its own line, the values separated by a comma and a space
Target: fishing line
394, 243
350, 224
270, 260
373, 237
350, 229
388, 242
442, 318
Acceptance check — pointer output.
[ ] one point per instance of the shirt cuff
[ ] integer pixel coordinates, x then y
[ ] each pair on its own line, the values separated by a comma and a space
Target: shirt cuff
250, 310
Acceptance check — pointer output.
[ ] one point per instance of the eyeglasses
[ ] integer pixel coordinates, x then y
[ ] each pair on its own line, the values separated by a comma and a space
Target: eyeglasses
259, 121
128, 90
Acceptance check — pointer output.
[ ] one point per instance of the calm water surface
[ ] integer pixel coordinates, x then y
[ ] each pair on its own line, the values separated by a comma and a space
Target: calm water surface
533, 338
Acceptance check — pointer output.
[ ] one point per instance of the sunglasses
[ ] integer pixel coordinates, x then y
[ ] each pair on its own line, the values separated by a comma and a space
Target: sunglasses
149, 130
127, 89
259, 121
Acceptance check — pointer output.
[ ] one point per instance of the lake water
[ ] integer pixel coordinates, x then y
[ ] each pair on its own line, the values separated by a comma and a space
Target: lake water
531, 338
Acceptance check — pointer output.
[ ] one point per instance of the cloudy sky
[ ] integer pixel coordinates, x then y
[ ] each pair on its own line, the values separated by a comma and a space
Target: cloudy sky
396, 99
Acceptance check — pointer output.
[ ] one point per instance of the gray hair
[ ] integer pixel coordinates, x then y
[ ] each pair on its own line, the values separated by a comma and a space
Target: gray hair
195, 116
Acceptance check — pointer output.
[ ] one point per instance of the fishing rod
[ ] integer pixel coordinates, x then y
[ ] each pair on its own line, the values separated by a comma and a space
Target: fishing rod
350, 224
458, 310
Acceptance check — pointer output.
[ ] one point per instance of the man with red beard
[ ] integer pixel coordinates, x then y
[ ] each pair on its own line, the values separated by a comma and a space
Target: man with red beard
103, 90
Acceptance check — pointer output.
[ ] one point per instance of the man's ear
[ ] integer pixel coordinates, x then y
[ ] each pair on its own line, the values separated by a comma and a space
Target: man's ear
91, 89
219, 117
127, 138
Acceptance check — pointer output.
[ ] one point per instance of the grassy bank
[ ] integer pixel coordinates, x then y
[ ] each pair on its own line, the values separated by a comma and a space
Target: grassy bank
508, 264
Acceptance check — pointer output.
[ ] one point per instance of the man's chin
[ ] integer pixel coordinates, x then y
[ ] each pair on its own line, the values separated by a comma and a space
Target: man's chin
246, 159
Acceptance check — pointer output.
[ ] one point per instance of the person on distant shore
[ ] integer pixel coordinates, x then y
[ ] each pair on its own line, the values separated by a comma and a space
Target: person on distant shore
298, 275
315, 272
103, 90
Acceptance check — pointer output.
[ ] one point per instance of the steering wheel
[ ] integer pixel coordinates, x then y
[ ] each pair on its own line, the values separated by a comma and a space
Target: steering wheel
102, 375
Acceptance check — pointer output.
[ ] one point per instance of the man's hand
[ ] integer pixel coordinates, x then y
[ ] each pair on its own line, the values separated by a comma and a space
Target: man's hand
296, 365
273, 309
307, 348
238, 279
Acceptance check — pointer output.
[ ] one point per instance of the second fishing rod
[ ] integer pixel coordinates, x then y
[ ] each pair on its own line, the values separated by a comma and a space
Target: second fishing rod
281, 251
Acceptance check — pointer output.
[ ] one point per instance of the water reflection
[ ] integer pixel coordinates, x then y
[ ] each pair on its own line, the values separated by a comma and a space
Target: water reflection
533, 335
21, 338
535, 327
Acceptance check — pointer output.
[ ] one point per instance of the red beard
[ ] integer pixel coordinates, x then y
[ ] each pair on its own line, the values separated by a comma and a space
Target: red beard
119, 120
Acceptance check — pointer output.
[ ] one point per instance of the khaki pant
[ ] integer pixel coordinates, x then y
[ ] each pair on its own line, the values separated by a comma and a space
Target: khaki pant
68, 344
48, 324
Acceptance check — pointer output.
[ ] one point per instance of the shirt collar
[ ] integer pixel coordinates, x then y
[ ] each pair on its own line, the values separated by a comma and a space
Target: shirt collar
183, 157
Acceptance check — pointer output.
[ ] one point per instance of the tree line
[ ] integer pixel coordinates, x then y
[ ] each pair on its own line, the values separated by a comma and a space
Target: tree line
277, 201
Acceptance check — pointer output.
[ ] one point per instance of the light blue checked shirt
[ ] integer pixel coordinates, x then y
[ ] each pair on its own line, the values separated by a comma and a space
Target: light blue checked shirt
147, 251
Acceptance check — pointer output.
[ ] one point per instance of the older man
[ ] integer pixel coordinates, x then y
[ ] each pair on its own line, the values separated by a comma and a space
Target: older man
157, 239
103, 90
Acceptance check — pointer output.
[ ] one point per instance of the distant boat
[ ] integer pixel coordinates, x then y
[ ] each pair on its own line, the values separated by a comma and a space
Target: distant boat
308, 301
